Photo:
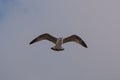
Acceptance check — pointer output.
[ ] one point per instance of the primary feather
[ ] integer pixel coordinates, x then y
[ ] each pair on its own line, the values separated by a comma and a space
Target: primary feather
45, 36
76, 39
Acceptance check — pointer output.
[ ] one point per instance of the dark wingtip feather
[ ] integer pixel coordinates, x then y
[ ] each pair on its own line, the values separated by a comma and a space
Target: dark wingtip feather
84, 44
31, 42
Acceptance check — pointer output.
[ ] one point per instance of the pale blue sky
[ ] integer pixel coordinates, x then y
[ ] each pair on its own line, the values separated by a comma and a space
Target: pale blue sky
5, 7
96, 21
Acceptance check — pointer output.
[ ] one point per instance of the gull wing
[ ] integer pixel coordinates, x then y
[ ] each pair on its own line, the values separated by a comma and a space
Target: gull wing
76, 39
45, 36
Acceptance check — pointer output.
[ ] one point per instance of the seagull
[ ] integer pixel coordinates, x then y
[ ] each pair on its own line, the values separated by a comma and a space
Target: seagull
59, 41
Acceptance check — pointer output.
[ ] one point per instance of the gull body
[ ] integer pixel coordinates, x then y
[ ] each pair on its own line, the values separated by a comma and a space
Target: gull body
58, 45
59, 41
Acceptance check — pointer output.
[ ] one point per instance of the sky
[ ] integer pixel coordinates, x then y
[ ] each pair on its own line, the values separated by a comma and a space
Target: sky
95, 21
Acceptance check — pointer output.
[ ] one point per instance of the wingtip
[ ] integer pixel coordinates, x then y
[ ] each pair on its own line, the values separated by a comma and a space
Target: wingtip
30, 43
84, 44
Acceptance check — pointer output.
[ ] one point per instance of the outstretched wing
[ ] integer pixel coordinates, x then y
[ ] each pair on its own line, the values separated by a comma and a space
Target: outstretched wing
45, 36
75, 38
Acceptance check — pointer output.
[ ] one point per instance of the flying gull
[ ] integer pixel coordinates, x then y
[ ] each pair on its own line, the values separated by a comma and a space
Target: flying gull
59, 41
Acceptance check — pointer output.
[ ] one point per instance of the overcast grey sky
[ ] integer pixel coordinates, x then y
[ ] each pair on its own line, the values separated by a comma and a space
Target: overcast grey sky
97, 22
